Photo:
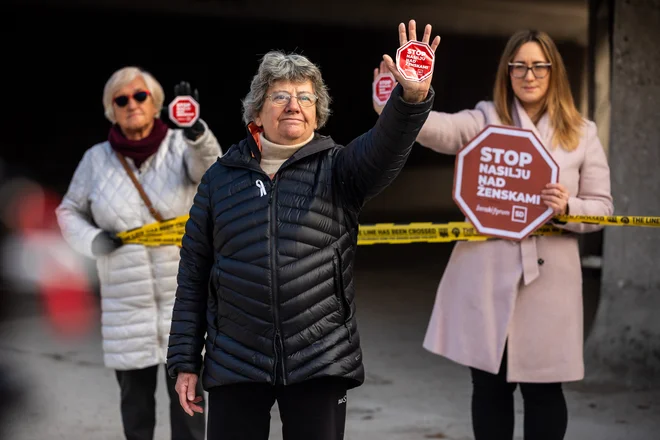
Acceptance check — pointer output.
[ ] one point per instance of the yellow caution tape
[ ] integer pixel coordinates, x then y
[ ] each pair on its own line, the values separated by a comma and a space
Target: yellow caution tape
431, 233
157, 240
613, 220
170, 232
174, 225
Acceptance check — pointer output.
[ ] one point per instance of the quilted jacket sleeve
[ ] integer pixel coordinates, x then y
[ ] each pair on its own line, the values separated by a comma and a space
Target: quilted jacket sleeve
74, 215
373, 160
201, 154
189, 315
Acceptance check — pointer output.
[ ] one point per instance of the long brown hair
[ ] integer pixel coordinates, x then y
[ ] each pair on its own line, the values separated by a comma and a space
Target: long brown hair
565, 119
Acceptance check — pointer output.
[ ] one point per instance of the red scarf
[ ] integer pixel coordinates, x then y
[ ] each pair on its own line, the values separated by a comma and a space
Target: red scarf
140, 150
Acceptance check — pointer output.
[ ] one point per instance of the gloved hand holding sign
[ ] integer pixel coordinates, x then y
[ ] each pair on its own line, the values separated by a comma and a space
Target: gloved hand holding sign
184, 110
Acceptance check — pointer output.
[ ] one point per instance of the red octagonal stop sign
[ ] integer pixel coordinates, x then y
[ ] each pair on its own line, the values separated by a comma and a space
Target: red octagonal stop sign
382, 88
414, 60
184, 111
498, 180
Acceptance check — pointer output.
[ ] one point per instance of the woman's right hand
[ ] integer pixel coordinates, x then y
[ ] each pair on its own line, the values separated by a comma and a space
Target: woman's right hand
186, 384
104, 243
377, 71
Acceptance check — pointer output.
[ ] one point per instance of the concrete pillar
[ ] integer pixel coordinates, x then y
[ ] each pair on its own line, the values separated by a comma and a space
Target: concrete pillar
598, 77
625, 342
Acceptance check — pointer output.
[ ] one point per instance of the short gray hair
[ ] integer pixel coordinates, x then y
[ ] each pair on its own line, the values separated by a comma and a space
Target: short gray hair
122, 77
278, 66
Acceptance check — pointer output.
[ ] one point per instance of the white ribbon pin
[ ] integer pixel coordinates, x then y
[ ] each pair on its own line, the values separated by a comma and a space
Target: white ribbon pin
262, 188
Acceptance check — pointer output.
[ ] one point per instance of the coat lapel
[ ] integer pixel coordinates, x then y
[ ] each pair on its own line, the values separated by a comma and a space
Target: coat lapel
541, 130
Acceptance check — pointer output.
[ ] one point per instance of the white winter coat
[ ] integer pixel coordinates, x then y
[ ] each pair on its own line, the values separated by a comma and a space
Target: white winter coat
138, 283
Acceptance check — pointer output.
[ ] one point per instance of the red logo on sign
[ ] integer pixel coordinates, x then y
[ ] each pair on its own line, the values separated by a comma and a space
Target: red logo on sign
498, 180
382, 88
184, 111
414, 60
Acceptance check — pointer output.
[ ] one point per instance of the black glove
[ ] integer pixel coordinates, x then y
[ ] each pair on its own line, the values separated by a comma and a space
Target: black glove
197, 129
104, 243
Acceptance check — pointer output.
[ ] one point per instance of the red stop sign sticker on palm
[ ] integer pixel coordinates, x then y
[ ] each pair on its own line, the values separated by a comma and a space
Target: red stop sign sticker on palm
184, 111
382, 88
414, 60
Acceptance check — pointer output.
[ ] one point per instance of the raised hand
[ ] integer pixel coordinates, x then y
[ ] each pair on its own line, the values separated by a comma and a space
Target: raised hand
184, 89
413, 91
377, 71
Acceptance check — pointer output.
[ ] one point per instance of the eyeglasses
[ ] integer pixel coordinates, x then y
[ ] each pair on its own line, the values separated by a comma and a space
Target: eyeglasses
140, 96
519, 70
281, 99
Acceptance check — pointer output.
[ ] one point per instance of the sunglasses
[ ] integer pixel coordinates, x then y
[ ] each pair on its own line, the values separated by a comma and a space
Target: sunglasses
141, 96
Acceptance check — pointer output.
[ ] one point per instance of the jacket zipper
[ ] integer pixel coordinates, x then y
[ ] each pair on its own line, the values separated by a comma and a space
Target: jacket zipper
278, 346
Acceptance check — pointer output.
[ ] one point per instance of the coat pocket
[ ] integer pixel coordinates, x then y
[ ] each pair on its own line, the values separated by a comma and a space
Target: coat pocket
340, 292
212, 292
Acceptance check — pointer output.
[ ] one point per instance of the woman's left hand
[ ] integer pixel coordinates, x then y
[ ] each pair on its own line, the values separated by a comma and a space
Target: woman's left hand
555, 195
413, 91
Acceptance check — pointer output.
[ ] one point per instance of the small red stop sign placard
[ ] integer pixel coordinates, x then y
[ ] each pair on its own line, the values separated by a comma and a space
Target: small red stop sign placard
184, 111
382, 88
414, 60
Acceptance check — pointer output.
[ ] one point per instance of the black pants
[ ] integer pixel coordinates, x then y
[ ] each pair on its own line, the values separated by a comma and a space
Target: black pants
546, 416
311, 410
138, 407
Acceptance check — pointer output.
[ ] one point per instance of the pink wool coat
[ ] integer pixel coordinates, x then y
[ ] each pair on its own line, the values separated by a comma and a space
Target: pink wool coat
529, 292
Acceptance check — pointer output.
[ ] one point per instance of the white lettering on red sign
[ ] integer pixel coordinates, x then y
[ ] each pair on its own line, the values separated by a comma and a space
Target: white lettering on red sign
385, 86
511, 157
414, 60
505, 194
184, 110
382, 88
498, 181
488, 186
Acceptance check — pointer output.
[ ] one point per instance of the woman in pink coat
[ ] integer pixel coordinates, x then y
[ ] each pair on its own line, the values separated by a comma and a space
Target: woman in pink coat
512, 311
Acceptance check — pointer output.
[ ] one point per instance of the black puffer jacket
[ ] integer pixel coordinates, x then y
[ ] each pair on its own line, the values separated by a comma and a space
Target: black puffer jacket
266, 268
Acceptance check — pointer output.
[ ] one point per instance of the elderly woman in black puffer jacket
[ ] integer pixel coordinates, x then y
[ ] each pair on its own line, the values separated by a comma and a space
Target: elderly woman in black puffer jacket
265, 281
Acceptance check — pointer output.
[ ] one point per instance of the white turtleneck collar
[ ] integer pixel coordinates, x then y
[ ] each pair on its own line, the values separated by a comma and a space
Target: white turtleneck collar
274, 155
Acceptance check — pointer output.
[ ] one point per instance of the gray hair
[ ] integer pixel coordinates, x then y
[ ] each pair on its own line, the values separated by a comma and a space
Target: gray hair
124, 76
278, 66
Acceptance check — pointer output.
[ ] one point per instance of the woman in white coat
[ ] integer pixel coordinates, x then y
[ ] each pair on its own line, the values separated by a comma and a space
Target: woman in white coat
137, 283
512, 311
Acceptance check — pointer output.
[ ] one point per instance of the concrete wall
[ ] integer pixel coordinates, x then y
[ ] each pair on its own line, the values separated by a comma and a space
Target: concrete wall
625, 343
